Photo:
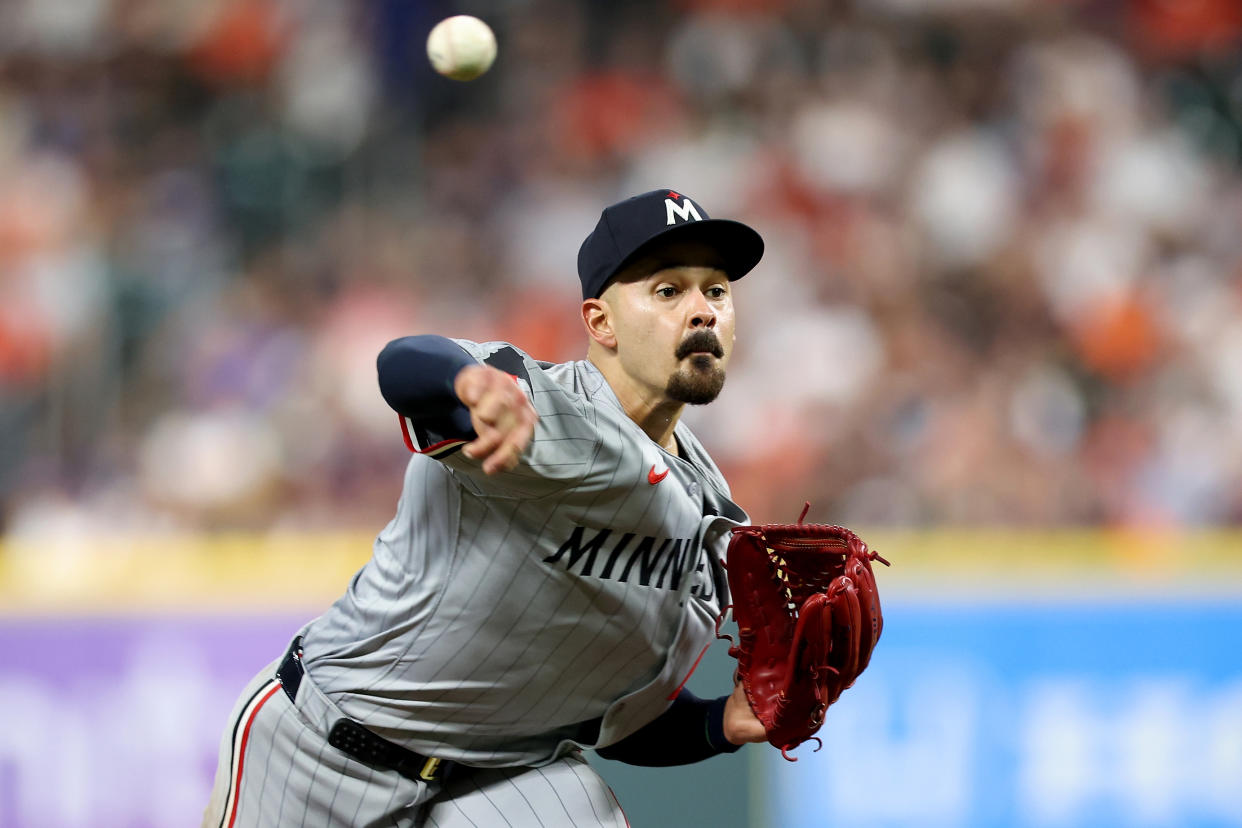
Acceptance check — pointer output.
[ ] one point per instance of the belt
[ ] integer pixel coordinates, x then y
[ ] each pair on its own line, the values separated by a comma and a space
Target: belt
355, 739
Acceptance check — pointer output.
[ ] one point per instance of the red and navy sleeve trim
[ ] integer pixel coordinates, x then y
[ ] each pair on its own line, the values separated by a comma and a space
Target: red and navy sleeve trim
425, 444
416, 375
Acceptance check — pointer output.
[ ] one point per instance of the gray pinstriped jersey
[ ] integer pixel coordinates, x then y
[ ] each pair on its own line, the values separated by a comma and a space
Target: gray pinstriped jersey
503, 620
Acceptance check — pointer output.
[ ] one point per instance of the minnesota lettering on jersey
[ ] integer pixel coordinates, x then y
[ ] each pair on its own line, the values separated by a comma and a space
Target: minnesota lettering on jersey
658, 562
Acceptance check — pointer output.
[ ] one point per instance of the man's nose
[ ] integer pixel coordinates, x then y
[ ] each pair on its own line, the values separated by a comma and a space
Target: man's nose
702, 315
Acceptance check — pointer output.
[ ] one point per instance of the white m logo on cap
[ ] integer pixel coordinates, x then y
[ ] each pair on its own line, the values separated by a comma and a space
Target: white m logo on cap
686, 210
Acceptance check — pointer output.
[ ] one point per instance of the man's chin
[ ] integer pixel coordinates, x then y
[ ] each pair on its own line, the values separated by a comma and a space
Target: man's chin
697, 386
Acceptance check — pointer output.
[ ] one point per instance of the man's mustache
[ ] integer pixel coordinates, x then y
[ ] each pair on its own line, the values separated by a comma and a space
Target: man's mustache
700, 342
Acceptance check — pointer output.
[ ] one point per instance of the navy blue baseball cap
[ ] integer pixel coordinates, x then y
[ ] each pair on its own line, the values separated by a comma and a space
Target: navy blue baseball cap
640, 225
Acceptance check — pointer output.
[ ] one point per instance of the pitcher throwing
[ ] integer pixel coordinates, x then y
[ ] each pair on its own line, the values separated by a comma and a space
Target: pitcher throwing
550, 580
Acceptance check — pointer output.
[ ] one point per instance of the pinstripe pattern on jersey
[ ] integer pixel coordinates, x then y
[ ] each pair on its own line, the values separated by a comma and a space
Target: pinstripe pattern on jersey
466, 637
241, 735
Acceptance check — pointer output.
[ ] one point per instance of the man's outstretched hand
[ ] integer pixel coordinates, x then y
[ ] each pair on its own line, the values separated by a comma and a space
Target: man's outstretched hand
502, 416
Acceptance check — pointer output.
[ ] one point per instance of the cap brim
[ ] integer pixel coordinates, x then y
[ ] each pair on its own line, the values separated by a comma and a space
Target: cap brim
740, 248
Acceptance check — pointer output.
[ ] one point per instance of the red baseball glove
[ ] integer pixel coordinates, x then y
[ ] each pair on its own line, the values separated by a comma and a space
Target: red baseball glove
808, 617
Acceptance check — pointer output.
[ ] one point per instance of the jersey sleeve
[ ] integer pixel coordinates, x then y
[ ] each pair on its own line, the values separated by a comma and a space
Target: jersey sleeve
416, 375
416, 379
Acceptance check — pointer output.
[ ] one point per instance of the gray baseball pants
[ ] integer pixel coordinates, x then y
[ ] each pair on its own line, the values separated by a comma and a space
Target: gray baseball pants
277, 769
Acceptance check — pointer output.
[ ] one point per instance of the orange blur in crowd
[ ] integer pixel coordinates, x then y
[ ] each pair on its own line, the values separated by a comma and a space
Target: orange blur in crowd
1003, 282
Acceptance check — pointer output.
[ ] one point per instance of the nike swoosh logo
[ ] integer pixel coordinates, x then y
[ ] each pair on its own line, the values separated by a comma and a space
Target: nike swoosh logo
654, 478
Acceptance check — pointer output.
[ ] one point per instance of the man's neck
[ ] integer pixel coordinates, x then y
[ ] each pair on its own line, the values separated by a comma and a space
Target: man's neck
654, 412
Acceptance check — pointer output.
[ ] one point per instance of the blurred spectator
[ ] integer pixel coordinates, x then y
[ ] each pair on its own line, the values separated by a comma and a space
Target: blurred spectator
1004, 278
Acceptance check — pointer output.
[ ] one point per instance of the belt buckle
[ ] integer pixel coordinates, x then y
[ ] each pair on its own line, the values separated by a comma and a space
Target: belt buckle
431, 769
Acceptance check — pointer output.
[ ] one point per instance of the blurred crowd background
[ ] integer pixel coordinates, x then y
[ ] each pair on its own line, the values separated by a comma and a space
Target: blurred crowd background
1003, 282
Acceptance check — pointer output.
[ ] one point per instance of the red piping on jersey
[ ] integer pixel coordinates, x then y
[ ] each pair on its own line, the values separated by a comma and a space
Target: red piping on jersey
689, 674
405, 434
409, 441
440, 445
241, 752
619, 808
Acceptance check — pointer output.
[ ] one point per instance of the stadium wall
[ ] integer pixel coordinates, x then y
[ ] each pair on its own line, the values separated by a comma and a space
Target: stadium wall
1025, 678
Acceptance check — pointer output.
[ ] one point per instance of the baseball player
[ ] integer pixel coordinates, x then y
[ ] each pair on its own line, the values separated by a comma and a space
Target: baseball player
551, 578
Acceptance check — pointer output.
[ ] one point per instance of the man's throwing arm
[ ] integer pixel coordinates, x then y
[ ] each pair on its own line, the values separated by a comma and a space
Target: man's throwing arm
449, 401
416, 375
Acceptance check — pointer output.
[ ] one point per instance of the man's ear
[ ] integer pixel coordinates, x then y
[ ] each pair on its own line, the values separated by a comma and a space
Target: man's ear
597, 317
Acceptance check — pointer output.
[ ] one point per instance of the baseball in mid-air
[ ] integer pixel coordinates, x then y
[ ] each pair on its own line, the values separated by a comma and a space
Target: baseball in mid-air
461, 47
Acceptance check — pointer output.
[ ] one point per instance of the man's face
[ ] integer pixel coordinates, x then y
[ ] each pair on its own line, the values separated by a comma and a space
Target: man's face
673, 320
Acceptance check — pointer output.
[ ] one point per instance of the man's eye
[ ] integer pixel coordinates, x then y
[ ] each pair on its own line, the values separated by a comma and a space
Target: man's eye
667, 292
716, 292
